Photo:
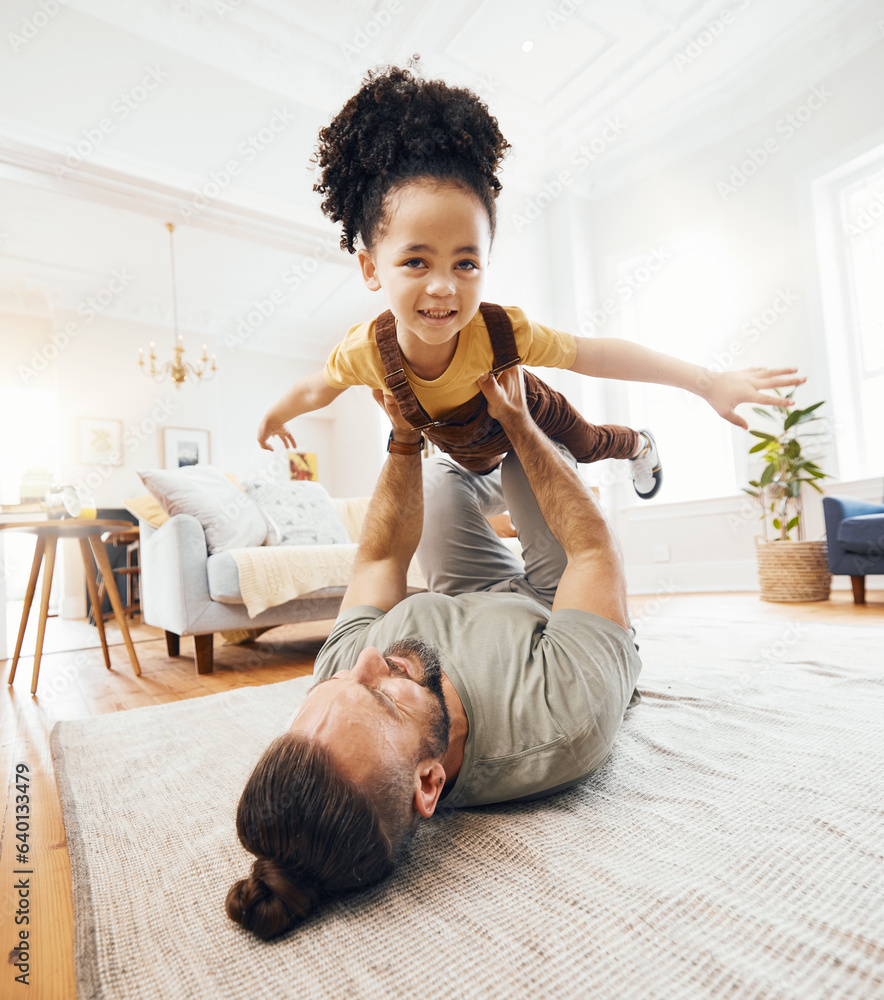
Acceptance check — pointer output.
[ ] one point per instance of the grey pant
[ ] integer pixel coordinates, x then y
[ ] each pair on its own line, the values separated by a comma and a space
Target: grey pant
459, 551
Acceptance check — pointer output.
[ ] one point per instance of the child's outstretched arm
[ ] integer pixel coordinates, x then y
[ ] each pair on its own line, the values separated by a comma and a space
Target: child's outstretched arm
609, 357
309, 393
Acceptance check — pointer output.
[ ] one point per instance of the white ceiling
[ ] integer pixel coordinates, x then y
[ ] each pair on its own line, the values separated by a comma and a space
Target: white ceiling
221, 71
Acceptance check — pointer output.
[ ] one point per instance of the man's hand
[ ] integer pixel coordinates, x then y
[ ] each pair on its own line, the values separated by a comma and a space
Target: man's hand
402, 429
505, 395
726, 390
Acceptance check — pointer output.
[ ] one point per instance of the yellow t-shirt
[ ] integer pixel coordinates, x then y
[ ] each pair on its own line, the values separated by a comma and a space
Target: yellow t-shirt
357, 360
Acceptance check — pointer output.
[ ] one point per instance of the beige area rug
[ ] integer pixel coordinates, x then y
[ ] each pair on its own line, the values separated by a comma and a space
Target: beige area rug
731, 846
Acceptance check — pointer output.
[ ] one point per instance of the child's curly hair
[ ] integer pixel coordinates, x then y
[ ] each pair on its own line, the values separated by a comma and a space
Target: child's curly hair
397, 127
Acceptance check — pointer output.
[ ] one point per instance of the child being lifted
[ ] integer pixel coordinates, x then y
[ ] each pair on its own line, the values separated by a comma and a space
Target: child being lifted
409, 167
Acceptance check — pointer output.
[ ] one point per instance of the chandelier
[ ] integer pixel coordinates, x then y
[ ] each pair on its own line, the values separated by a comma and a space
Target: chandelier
177, 370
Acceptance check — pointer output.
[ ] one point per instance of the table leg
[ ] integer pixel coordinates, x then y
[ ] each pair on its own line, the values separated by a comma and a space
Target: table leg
110, 586
89, 567
48, 567
29, 599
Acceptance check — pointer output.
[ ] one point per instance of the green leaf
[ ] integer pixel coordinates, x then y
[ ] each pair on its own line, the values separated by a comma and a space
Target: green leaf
767, 475
793, 523
758, 447
763, 436
810, 482
776, 523
763, 413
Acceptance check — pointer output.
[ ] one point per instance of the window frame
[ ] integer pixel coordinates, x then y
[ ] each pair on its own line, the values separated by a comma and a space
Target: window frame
839, 347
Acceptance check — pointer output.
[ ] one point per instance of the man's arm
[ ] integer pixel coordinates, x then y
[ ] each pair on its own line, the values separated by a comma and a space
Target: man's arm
393, 523
593, 579
610, 357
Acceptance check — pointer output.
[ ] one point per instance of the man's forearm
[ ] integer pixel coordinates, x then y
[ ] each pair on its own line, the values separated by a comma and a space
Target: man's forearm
610, 357
567, 506
395, 516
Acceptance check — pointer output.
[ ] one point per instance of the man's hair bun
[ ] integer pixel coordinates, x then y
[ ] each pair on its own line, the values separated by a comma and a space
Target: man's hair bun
269, 902
397, 127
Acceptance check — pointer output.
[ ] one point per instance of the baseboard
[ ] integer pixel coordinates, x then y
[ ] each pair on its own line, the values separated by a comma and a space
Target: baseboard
684, 578
711, 577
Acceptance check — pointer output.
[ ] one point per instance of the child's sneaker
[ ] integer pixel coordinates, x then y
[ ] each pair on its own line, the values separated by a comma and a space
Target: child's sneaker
646, 472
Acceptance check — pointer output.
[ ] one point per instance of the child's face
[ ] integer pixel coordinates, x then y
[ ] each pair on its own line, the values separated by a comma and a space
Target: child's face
431, 261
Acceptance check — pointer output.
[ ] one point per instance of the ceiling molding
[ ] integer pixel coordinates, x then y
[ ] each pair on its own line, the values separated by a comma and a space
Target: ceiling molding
32, 160
701, 118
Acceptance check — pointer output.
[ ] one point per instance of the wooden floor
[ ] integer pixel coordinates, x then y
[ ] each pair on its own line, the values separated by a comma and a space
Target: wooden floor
76, 684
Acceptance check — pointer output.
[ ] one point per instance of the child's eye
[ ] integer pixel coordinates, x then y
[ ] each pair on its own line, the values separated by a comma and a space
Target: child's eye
471, 264
416, 261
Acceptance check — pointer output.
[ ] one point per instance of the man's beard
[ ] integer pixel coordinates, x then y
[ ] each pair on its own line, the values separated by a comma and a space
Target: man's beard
435, 740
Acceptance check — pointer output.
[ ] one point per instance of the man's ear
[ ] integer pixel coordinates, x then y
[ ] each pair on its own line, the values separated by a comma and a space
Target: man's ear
429, 780
369, 271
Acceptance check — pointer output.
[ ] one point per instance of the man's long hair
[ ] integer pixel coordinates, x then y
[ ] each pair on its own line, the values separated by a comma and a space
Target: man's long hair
315, 833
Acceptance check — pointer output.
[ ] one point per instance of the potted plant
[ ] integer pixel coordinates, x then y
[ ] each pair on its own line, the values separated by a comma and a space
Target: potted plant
790, 568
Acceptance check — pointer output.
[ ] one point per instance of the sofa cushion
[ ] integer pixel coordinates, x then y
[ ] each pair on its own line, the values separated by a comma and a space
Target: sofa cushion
299, 512
863, 534
224, 587
229, 517
223, 578
147, 508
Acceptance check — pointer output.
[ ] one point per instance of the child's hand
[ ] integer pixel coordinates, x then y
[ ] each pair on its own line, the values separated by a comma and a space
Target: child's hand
725, 390
505, 394
273, 428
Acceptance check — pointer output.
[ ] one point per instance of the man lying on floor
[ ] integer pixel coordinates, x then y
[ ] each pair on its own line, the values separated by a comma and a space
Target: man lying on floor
506, 682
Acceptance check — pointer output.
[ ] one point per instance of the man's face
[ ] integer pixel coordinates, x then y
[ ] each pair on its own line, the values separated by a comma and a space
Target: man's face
388, 706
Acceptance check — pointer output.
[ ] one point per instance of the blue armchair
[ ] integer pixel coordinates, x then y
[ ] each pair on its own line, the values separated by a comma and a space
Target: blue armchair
854, 540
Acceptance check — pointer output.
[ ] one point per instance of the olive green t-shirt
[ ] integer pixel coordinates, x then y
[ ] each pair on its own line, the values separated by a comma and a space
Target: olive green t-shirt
544, 693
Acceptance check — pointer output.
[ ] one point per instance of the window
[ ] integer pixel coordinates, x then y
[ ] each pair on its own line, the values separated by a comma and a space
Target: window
30, 429
681, 307
30, 422
849, 215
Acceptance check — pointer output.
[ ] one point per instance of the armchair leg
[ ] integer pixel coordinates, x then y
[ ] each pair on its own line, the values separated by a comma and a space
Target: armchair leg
173, 644
859, 589
203, 647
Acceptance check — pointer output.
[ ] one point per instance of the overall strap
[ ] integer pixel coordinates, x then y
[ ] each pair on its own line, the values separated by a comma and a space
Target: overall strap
394, 373
503, 340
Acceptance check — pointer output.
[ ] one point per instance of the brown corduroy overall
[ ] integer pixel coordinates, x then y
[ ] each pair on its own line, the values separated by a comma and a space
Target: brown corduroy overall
473, 438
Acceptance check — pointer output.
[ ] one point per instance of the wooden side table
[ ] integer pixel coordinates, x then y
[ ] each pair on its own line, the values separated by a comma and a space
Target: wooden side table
89, 533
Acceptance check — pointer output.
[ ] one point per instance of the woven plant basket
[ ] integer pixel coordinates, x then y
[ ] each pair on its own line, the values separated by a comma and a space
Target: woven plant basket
793, 571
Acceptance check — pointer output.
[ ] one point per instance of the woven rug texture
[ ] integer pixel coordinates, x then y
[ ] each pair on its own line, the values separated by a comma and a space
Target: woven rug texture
732, 845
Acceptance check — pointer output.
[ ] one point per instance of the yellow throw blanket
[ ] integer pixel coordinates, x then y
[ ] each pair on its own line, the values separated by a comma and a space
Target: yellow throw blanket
274, 574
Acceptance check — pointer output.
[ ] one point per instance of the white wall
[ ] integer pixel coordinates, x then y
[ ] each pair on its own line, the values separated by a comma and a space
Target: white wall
763, 234
95, 374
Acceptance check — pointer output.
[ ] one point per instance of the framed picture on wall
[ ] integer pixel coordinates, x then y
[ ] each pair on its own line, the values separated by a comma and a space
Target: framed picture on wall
302, 465
101, 441
183, 446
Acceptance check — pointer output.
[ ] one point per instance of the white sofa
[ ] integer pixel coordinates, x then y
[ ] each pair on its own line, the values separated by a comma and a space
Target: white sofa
185, 591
